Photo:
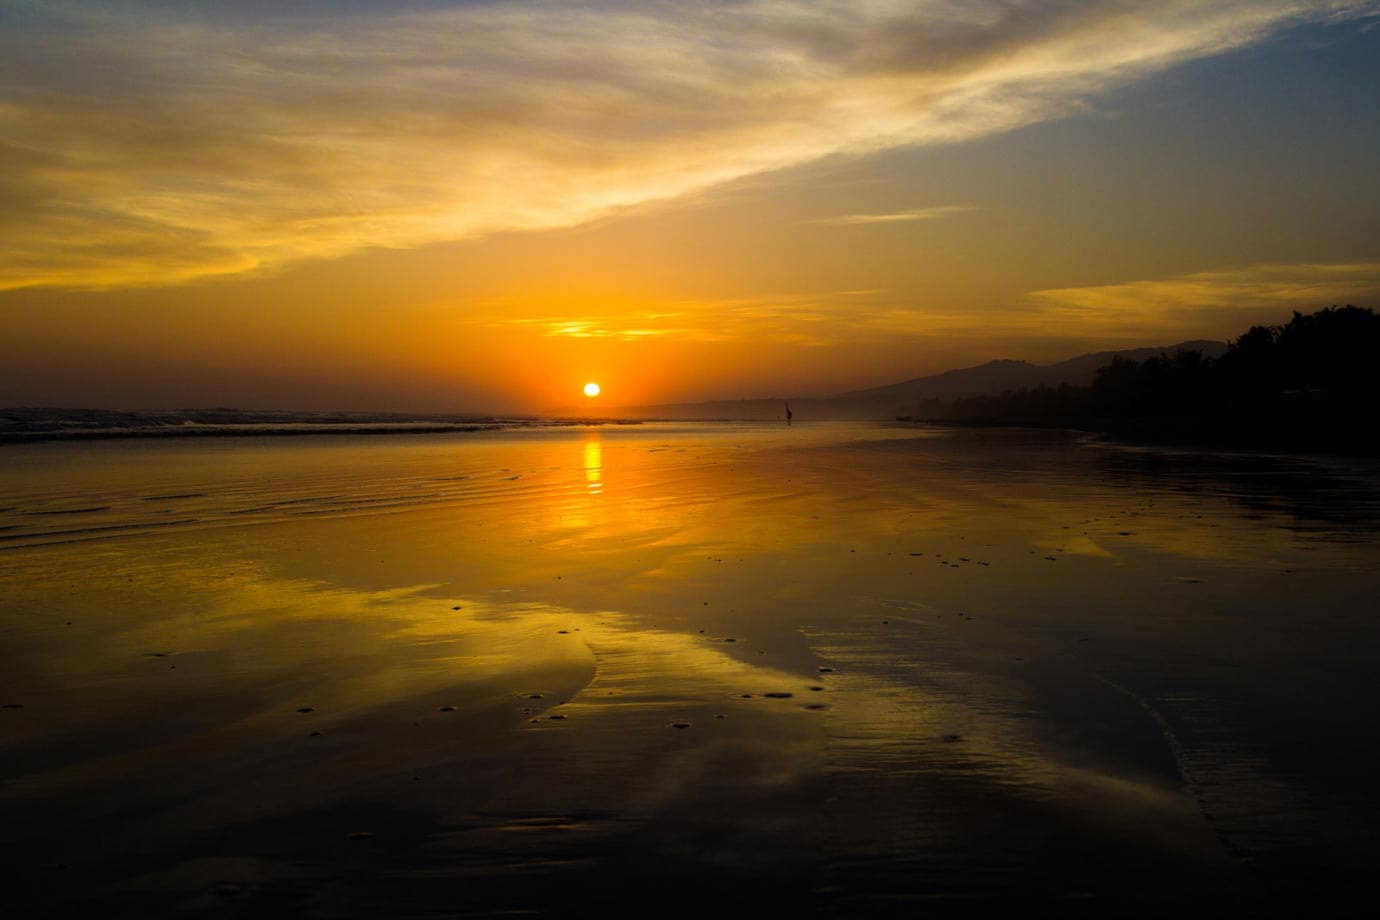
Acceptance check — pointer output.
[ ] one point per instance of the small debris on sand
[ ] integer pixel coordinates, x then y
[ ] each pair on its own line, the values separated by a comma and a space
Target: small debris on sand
778, 695
306, 709
446, 709
680, 724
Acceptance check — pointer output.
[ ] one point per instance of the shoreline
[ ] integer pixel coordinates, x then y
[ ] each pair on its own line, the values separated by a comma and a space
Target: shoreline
305, 429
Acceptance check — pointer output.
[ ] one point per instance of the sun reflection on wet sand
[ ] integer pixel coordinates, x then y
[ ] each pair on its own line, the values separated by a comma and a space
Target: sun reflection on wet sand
593, 463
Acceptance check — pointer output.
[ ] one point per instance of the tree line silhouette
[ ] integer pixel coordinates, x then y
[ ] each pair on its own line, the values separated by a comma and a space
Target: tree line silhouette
1313, 382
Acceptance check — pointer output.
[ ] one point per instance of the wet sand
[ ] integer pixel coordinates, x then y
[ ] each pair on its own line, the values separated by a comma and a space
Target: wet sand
846, 670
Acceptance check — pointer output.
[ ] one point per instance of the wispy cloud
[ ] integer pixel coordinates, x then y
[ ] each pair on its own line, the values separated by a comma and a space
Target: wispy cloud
1185, 301
896, 217
1211, 304
145, 145
801, 319
635, 327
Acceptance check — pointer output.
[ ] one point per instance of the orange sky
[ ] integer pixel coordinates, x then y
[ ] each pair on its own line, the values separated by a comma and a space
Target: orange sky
480, 207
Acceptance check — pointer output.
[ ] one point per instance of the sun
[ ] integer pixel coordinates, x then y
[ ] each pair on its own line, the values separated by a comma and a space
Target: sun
591, 390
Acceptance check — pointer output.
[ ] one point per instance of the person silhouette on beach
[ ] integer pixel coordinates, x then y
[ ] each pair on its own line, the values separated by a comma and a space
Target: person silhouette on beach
788, 415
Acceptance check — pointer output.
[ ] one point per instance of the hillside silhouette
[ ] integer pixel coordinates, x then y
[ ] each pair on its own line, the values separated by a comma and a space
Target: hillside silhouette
1311, 383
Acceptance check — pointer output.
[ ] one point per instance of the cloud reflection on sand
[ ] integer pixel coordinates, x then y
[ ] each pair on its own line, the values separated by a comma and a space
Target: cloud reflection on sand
209, 697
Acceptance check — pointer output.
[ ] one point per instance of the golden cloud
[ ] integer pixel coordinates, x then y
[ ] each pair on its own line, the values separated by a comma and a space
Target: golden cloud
811, 319
142, 146
1201, 304
1179, 303
932, 213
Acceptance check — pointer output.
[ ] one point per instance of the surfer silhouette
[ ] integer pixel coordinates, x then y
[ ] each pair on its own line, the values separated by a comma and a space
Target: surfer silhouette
788, 415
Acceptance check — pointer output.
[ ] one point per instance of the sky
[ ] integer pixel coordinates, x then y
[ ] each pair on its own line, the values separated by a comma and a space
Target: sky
481, 206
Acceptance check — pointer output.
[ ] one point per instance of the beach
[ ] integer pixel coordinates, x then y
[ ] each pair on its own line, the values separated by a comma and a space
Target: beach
839, 668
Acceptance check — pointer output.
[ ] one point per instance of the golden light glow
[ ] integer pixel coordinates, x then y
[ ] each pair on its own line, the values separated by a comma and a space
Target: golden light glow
594, 465
466, 208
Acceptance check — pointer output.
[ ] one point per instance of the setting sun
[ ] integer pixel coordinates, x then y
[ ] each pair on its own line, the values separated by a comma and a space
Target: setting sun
591, 390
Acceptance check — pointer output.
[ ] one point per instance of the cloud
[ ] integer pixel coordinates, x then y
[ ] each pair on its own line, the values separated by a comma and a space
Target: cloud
630, 328
1041, 325
823, 319
787, 318
810, 319
1194, 299
1210, 304
143, 145
932, 213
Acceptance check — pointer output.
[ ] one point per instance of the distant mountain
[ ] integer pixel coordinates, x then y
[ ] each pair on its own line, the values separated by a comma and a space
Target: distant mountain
997, 376
920, 396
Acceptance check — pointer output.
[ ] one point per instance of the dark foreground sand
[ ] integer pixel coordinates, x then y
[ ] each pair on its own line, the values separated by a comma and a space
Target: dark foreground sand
835, 671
